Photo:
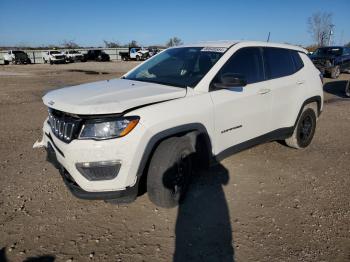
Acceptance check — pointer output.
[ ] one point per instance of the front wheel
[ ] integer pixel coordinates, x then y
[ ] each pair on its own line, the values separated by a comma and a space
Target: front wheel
6, 62
170, 171
335, 72
304, 130
347, 89
138, 58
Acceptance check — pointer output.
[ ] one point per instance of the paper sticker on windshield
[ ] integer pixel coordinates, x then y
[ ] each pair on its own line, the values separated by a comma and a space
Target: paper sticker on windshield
214, 49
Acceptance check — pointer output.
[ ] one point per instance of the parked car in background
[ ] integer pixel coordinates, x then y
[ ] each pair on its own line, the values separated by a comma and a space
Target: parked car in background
73, 56
96, 55
135, 53
16, 57
179, 110
54, 57
153, 51
332, 60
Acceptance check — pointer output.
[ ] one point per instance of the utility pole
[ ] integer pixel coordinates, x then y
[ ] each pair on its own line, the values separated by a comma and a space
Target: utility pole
268, 37
330, 34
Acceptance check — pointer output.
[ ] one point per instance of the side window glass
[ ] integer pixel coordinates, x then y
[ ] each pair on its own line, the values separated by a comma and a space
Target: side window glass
298, 63
246, 62
279, 62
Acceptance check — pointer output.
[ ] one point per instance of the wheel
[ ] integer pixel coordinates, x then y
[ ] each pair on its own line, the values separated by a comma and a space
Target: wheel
347, 89
169, 172
123, 58
335, 73
138, 58
305, 129
51, 62
45, 61
6, 62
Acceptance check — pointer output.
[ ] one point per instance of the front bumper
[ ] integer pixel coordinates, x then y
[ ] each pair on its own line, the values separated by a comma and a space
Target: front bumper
67, 156
127, 195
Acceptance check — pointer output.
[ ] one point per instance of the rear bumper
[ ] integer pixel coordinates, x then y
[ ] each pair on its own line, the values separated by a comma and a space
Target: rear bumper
127, 195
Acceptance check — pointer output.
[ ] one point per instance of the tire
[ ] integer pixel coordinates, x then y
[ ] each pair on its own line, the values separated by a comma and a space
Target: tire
138, 58
347, 89
51, 63
45, 62
123, 58
6, 62
169, 172
304, 130
335, 73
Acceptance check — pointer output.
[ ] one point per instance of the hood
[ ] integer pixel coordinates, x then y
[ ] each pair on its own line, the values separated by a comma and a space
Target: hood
109, 97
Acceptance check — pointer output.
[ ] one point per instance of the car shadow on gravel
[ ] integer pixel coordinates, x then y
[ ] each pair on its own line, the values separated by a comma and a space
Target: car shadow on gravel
45, 258
336, 88
203, 229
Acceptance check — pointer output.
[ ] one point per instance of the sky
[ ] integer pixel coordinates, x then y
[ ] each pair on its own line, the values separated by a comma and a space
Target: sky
88, 23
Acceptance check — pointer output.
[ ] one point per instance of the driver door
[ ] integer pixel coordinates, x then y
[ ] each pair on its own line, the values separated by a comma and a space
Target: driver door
241, 113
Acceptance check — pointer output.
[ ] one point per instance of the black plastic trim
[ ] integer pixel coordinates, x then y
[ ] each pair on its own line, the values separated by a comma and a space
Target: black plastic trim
278, 134
129, 193
53, 144
177, 130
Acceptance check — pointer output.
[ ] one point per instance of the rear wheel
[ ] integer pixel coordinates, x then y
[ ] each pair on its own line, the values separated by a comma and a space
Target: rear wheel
304, 130
169, 172
335, 73
6, 62
138, 58
347, 89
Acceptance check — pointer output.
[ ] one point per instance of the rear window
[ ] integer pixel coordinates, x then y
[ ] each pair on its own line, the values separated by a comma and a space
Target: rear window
279, 62
298, 63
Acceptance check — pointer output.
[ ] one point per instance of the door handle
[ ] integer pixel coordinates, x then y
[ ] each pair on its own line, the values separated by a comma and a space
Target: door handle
300, 82
264, 91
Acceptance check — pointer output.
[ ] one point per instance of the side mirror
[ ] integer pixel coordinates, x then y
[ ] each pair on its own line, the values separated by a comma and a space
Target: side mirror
229, 80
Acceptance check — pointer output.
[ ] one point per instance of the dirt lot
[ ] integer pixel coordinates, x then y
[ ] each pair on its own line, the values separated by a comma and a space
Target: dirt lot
268, 203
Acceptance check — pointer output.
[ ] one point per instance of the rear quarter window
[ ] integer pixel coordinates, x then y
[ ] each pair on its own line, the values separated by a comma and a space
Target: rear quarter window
298, 63
279, 62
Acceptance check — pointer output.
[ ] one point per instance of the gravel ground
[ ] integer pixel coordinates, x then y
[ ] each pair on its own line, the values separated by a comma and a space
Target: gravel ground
268, 203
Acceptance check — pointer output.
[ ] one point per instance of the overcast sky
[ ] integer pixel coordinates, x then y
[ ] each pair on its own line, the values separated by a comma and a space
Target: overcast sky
88, 23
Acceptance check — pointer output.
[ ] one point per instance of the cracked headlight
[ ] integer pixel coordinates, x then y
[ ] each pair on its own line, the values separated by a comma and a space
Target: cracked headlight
106, 128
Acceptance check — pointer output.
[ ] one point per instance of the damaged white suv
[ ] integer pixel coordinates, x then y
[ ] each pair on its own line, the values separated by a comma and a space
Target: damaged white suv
182, 108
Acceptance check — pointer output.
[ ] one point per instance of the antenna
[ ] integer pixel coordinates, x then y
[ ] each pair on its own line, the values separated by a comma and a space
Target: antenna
268, 37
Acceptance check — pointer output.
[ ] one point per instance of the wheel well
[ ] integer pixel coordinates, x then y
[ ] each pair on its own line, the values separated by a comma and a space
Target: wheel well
310, 101
199, 139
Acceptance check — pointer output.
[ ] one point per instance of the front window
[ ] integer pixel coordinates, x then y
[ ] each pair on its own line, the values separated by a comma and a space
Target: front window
55, 53
182, 67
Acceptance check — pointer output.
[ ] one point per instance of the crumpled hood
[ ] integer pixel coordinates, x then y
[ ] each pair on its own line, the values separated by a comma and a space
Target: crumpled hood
109, 97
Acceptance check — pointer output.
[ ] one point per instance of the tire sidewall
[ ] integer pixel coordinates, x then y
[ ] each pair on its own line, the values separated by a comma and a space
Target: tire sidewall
308, 112
162, 169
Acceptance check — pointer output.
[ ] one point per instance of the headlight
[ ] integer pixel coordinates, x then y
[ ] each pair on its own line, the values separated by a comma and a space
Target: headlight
106, 129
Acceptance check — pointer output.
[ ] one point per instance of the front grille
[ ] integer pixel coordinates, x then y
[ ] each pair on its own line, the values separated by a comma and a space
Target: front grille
64, 126
59, 56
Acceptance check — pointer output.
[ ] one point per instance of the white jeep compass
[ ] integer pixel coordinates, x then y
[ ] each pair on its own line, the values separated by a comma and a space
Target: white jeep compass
183, 107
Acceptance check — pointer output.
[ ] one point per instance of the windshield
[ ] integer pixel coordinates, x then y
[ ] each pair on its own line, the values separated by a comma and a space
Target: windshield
55, 52
73, 52
337, 51
182, 67
18, 52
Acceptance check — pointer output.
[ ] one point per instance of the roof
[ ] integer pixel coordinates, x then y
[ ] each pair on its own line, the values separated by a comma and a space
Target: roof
229, 43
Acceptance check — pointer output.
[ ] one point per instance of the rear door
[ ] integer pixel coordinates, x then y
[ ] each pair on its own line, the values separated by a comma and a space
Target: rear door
287, 83
346, 62
241, 113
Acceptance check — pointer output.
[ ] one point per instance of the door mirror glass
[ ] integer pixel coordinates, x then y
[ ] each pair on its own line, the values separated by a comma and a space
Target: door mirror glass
229, 80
